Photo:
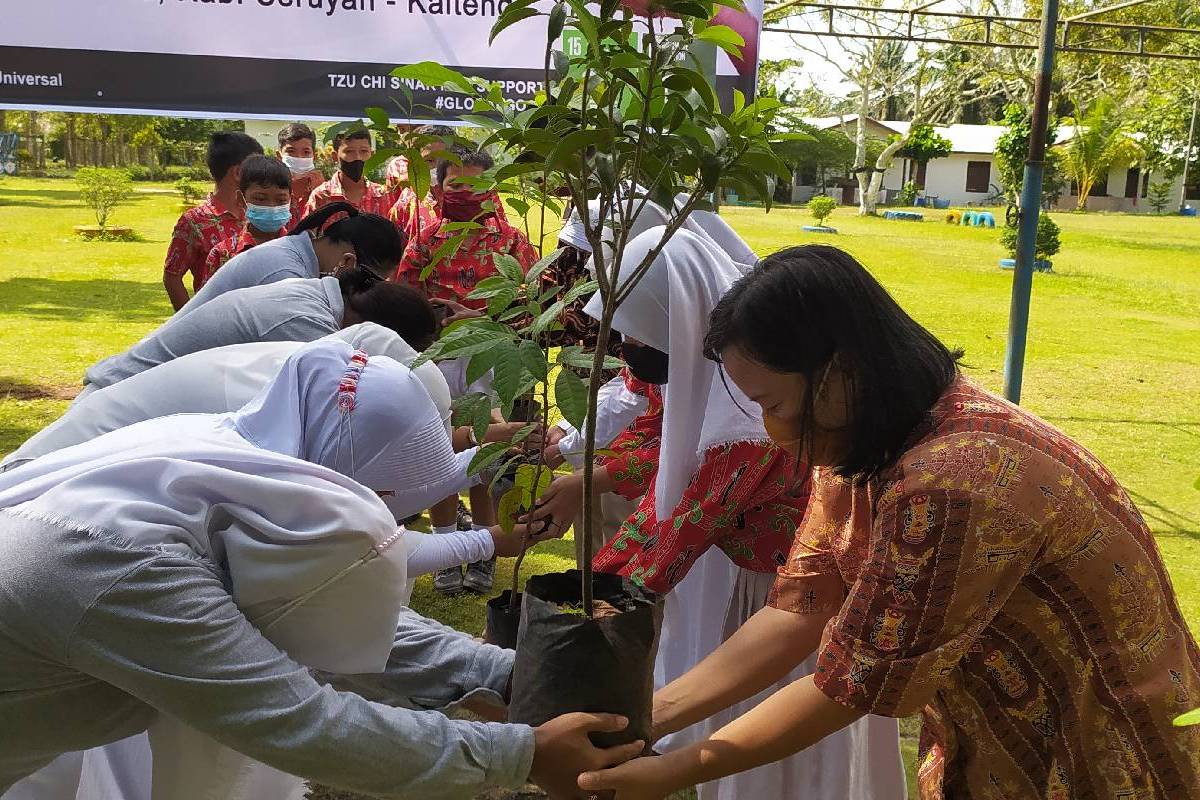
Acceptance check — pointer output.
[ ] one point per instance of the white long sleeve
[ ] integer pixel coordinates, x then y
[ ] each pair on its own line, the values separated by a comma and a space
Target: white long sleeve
616, 409
429, 553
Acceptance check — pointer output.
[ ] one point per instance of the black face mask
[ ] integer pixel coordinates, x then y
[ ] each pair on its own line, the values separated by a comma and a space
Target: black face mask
352, 169
645, 363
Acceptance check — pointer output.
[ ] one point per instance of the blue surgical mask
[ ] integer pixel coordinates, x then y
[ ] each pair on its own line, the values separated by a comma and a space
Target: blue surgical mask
268, 219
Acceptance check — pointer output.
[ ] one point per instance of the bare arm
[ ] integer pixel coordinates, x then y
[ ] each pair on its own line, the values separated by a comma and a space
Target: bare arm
177, 293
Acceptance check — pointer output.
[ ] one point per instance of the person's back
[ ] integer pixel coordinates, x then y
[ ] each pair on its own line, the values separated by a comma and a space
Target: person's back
276, 260
298, 310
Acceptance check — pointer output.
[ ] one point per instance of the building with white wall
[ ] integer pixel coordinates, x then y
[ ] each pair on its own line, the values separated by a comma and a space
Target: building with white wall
968, 177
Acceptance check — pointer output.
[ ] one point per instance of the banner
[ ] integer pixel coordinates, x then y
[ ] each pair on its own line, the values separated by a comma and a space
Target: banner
316, 59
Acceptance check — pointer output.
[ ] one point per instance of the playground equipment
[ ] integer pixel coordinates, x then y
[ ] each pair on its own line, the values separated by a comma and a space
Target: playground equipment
818, 229
1040, 265
976, 219
954, 218
908, 216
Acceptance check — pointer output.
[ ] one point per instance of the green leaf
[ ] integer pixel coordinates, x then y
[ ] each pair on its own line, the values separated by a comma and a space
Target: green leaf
558, 20
531, 481
723, 37
582, 359
488, 454
570, 395
534, 359
501, 301
436, 76
585, 23
542, 263
509, 508
1188, 718
547, 318
509, 267
518, 205
378, 116
508, 376
481, 362
579, 290
474, 409
511, 16
573, 143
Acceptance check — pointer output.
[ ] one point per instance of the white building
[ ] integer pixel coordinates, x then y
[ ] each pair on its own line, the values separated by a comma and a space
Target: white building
967, 177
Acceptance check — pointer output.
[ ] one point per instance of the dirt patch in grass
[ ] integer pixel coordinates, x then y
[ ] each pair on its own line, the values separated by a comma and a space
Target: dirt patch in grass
16, 389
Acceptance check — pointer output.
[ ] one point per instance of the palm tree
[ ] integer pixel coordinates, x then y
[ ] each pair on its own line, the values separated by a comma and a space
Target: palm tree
1101, 140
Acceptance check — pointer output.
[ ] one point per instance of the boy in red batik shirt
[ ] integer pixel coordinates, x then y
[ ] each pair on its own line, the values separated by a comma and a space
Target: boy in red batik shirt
457, 274
201, 228
297, 150
265, 191
353, 149
408, 213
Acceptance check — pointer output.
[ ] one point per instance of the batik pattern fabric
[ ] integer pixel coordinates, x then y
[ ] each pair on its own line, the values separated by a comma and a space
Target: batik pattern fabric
225, 250
373, 201
196, 233
457, 274
578, 328
999, 580
746, 498
411, 216
634, 459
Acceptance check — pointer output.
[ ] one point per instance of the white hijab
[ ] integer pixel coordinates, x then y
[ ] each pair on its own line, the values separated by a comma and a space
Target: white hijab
207, 382
279, 496
669, 310
702, 223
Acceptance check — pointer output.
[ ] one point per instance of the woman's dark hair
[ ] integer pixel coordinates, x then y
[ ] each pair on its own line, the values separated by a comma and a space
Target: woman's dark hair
260, 170
393, 305
377, 243
802, 306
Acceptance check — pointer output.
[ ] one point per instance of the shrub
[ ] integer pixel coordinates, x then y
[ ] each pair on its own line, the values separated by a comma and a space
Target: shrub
908, 195
195, 173
1160, 195
1048, 240
821, 207
103, 189
190, 191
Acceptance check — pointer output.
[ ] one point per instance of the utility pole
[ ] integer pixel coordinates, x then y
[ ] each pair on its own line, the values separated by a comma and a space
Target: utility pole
1031, 208
1187, 153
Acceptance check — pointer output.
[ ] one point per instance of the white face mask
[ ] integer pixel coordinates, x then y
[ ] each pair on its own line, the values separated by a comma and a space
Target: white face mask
297, 165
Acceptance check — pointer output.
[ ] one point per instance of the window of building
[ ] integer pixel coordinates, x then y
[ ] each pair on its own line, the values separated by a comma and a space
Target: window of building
1132, 177
979, 175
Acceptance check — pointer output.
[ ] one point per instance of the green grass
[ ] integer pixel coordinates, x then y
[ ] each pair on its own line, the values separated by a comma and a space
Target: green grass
1113, 359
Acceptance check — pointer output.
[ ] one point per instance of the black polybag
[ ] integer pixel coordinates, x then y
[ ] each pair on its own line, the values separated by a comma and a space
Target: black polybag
566, 662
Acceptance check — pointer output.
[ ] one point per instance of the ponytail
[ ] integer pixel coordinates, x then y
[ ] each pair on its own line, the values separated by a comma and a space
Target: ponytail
316, 220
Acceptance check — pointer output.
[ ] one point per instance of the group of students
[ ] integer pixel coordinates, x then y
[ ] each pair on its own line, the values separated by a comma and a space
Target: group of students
204, 573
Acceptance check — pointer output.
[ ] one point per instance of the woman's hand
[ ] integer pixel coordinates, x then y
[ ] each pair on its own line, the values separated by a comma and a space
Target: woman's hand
562, 750
505, 431
454, 311
639, 779
560, 503
553, 456
509, 545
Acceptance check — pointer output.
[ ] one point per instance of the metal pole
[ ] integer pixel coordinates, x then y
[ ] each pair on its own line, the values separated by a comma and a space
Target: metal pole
1187, 153
1031, 205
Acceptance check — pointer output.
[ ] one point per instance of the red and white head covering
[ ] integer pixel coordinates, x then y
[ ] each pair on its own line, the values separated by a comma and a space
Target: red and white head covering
669, 310
281, 496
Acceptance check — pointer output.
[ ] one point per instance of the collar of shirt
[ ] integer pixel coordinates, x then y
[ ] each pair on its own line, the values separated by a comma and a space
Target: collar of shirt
214, 207
334, 186
333, 293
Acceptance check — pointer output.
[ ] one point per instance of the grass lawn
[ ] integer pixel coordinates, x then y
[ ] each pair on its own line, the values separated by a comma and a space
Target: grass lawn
1113, 357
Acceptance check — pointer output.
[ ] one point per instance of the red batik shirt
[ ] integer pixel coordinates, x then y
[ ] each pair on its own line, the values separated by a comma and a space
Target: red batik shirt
197, 232
458, 274
395, 178
411, 216
1000, 581
374, 199
746, 498
227, 249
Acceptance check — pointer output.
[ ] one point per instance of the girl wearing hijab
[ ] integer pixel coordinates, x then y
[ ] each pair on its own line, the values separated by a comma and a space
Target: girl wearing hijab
713, 478
178, 571
295, 310
363, 240
961, 558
